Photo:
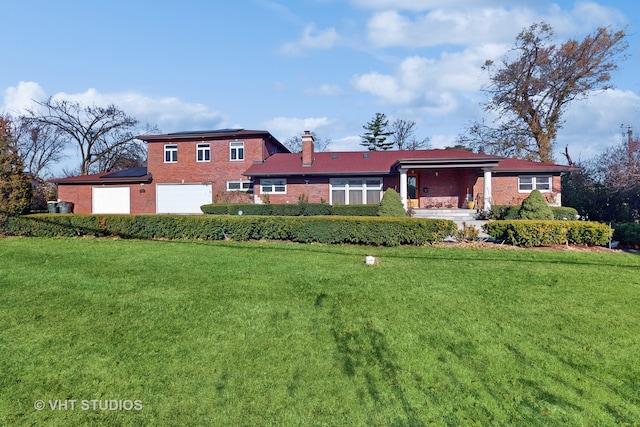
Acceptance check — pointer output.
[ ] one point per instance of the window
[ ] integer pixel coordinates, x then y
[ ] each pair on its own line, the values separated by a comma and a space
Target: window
273, 186
171, 153
203, 153
238, 185
527, 184
237, 150
356, 191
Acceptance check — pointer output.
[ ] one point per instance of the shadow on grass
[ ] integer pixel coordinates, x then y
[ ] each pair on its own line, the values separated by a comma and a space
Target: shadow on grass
366, 358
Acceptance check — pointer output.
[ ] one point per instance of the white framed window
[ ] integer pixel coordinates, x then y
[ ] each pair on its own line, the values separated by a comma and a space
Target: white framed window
238, 185
236, 150
203, 153
356, 191
170, 153
528, 183
273, 186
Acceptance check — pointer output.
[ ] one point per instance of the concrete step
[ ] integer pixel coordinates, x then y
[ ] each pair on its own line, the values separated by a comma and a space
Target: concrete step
452, 214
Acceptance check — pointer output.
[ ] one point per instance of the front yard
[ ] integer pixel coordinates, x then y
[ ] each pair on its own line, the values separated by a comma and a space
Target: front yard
123, 332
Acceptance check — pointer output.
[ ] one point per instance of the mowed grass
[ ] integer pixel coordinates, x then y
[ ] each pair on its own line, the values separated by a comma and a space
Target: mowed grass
223, 333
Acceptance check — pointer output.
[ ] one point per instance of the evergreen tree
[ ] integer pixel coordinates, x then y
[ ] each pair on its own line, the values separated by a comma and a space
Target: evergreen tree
535, 207
15, 185
375, 137
391, 204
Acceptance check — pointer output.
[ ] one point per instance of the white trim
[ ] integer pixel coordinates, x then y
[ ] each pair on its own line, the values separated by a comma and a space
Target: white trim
171, 148
242, 183
273, 183
347, 187
534, 183
205, 148
238, 148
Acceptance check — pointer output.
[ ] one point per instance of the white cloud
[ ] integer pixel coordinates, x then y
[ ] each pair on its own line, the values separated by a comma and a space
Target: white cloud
20, 98
169, 114
286, 127
311, 39
324, 90
448, 27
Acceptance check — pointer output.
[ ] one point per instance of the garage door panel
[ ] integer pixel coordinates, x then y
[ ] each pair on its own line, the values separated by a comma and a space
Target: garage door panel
110, 200
182, 198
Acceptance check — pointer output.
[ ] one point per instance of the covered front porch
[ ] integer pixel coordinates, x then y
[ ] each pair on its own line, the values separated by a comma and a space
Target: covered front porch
446, 184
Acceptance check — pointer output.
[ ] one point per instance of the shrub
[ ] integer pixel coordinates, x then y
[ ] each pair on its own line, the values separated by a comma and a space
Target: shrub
530, 233
391, 204
535, 207
564, 213
322, 229
627, 234
355, 210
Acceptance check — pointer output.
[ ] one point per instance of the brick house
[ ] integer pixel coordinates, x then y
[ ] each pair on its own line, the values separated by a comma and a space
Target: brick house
188, 169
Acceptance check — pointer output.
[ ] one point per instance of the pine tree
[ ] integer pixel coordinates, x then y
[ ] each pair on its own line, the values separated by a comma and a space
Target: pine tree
535, 207
15, 185
391, 204
375, 137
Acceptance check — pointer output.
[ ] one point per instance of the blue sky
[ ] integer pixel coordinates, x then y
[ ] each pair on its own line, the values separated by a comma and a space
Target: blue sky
289, 66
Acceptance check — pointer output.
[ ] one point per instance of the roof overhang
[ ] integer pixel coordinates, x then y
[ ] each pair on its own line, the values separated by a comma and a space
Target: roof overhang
490, 162
126, 180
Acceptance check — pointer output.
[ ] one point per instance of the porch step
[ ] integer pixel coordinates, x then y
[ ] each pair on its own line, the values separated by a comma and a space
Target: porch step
452, 214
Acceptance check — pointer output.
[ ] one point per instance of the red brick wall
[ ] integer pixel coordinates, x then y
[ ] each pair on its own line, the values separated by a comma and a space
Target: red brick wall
81, 197
217, 171
315, 190
504, 189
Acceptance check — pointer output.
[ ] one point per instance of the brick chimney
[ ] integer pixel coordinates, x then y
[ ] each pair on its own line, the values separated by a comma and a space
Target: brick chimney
307, 149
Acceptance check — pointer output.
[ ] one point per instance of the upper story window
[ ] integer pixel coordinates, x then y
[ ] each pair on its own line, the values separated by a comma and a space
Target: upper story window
203, 153
171, 153
236, 150
527, 184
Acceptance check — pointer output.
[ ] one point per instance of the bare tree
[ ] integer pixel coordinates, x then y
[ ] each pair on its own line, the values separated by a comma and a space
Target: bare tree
531, 89
98, 132
294, 143
403, 135
40, 145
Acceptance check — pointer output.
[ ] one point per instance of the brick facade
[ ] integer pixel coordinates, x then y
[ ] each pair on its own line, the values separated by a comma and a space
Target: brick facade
443, 178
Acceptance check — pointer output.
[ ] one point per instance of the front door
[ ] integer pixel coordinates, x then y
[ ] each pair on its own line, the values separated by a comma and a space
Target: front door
413, 195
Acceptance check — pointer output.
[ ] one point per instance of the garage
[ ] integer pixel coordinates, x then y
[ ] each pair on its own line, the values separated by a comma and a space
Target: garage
182, 198
110, 200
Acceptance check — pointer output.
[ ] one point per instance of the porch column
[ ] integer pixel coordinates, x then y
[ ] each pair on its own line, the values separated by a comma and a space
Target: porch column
487, 189
403, 187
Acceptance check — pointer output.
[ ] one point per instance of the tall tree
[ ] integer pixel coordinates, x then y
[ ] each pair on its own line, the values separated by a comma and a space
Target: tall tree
40, 145
98, 132
294, 144
531, 89
403, 135
375, 137
15, 185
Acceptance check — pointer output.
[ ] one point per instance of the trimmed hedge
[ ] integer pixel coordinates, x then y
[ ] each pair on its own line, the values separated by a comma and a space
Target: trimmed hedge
381, 231
289, 209
531, 233
355, 210
505, 212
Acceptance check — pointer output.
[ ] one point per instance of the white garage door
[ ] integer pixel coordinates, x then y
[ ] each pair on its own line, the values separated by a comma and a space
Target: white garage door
110, 200
182, 198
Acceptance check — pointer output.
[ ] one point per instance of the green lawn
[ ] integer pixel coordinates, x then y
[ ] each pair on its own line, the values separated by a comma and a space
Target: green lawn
222, 333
